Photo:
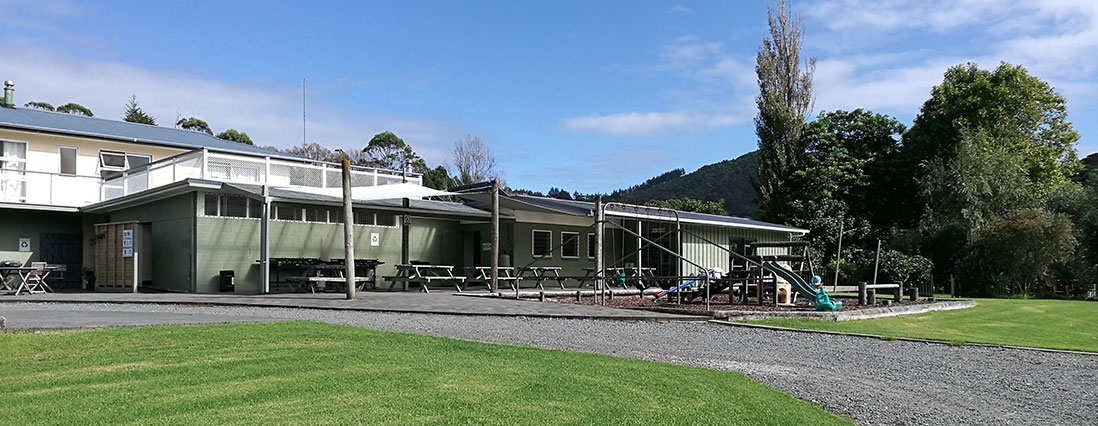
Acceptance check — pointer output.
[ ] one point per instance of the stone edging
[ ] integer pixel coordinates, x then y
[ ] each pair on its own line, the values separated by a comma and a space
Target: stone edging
904, 339
881, 312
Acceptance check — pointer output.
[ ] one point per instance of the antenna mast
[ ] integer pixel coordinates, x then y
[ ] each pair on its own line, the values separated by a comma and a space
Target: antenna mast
303, 111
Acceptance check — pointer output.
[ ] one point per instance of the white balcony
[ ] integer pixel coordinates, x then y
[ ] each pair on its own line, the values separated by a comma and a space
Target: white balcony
50, 189
244, 169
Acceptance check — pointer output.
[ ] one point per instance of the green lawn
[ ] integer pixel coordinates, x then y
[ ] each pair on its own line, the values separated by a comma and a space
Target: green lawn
306, 373
1041, 323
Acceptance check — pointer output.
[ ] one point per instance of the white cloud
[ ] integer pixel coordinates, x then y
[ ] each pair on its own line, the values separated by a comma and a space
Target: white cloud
269, 112
649, 123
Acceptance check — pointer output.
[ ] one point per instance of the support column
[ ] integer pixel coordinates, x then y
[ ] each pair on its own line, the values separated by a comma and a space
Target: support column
495, 239
599, 233
265, 242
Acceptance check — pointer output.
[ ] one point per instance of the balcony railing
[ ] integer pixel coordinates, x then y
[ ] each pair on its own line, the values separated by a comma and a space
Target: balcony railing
53, 189
203, 164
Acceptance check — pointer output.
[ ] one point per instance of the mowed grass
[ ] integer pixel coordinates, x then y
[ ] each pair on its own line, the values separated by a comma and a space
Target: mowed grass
307, 373
1039, 323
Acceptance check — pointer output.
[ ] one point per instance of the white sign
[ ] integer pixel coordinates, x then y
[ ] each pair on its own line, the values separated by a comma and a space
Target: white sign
24, 244
127, 242
407, 220
485, 246
375, 239
127, 252
127, 233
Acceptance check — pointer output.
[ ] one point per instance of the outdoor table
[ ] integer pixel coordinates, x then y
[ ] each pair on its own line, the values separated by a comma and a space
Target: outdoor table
505, 274
424, 275
8, 275
542, 273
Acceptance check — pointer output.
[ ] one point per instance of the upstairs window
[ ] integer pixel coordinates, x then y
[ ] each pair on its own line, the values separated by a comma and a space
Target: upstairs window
113, 163
68, 160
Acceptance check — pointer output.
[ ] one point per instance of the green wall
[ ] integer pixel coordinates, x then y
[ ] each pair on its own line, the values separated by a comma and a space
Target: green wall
173, 251
19, 223
231, 243
524, 244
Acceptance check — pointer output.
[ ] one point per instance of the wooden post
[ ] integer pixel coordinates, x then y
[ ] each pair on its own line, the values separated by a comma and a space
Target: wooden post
914, 293
862, 296
899, 293
871, 296
348, 231
495, 239
600, 284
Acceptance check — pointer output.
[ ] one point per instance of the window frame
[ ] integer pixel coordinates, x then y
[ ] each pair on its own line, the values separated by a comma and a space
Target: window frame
534, 244
61, 160
564, 244
591, 245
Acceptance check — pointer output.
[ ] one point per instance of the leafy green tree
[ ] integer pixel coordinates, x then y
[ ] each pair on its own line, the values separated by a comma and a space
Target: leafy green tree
558, 193
1007, 111
439, 178
40, 105
785, 97
235, 136
318, 152
76, 109
1016, 254
194, 124
690, 205
838, 180
134, 113
386, 150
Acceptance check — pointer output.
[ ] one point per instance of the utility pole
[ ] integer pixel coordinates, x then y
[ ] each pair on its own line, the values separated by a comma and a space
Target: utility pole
348, 231
405, 227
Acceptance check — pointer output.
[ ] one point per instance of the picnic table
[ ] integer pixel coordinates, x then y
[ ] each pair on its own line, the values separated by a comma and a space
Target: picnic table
644, 277
329, 275
483, 275
542, 273
424, 275
31, 279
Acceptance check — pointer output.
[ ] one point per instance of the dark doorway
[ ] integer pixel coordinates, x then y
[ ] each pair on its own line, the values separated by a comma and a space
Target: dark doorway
477, 255
64, 249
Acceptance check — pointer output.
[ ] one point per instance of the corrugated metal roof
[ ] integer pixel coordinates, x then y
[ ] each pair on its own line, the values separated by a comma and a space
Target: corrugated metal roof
585, 207
78, 125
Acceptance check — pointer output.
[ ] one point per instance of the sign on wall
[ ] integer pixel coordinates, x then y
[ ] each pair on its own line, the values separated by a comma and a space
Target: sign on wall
375, 239
127, 243
24, 244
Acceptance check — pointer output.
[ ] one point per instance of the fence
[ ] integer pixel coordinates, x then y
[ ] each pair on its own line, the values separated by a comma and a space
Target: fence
243, 169
32, 187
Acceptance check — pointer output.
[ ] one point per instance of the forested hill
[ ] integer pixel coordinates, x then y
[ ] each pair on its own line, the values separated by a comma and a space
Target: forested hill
729, 179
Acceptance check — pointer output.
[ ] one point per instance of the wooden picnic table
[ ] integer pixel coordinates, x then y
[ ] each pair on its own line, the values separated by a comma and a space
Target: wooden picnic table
31, 279
506, 274
542, 273
424, 275
321, 276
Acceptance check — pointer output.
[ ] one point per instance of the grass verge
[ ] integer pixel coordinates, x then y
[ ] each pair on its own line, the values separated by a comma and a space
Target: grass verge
306, 373
1039, 323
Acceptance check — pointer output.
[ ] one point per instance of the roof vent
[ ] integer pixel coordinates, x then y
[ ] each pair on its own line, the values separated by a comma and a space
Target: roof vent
9, 93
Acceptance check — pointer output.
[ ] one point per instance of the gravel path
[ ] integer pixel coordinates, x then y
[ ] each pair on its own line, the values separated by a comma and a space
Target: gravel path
874, 382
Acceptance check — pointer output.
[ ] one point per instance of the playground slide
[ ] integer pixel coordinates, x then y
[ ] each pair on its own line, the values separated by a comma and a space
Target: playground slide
807, 291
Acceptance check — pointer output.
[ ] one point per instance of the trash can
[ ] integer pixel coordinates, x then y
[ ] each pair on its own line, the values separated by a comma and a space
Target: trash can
228, 280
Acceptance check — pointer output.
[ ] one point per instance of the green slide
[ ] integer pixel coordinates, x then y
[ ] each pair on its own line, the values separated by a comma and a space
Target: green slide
807, 291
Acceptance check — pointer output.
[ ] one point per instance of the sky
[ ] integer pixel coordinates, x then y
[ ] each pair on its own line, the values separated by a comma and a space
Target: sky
588, 96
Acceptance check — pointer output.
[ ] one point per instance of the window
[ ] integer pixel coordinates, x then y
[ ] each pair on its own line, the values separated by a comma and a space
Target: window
13, 162
229, 171
384, 219
323, 215
287, 213
364, 217
68, 160
210, 205
543, 241
113, 163
591, 246
569, 244
233, 206
225, 205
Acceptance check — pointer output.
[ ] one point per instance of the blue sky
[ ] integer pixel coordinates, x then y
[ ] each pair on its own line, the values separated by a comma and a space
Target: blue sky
589, 96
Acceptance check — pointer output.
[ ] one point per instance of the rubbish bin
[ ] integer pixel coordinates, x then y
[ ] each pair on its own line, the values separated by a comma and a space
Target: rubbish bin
228, 280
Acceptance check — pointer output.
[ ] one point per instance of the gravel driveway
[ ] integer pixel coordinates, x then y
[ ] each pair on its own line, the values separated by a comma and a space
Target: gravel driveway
875, 382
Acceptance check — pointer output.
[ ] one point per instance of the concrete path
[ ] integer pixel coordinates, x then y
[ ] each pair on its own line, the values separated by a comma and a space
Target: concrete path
405, 302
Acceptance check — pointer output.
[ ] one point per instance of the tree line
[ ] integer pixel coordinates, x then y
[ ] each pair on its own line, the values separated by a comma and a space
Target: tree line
984, 188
